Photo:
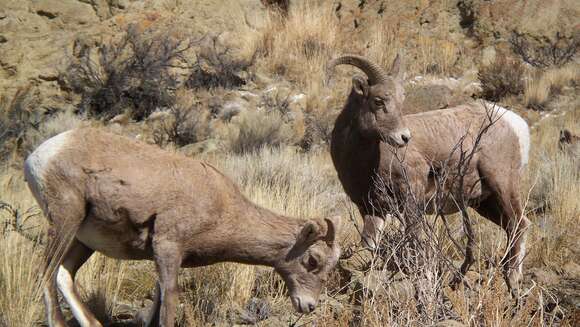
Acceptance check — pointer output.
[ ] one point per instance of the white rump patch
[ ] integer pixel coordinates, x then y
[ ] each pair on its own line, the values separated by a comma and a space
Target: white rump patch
36, 163
520, 128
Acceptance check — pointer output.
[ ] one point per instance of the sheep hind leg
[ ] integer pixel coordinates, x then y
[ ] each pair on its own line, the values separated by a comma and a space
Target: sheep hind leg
509, 217
75, 257
54, 314
513, 263
64, 221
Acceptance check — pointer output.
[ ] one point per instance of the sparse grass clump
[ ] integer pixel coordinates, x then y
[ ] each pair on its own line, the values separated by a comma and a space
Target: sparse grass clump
253, 130
543, 86
552, 187
298, 46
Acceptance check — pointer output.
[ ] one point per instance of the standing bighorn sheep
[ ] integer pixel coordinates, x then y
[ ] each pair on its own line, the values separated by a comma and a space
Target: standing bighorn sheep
128, 200
371, 136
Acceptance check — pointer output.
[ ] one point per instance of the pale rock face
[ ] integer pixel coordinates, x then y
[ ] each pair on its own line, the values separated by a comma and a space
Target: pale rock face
66, 11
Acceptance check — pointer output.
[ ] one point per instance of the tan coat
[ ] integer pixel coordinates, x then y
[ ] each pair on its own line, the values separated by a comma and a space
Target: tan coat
128, 200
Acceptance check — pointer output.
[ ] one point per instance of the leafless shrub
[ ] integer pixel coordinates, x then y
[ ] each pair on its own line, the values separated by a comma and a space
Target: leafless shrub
545, 85
133, 73
555, 52
186, 125
18, 221
217, 67
17, 119
502, 78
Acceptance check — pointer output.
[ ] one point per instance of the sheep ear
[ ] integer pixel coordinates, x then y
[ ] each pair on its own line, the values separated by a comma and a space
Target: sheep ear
334, 225
360, 86
309, 233
397, 67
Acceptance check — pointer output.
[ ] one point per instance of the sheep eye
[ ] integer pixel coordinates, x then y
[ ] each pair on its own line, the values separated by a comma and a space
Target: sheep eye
312, 263
379, 102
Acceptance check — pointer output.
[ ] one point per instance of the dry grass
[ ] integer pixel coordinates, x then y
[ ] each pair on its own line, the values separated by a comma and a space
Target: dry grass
298, 47
436, 57
553, 183
253, 130
19, 285
542, 86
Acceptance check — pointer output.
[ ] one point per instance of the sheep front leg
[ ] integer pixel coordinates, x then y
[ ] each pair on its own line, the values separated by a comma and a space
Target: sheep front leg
168, 261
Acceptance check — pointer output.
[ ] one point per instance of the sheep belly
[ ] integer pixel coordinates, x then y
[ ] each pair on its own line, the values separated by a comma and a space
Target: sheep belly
120, 239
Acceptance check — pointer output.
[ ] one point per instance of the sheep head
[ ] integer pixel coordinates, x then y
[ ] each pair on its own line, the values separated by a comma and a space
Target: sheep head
311, 259
378, 99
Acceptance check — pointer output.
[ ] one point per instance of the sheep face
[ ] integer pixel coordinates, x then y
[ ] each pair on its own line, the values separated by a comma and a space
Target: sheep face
309, 262
380, 114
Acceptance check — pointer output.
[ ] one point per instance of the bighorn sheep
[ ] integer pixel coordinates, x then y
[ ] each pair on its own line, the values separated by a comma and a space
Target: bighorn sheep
371, 130
128, 200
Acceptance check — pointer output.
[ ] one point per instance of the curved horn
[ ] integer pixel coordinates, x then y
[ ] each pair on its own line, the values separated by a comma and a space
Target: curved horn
373, 71
333, 228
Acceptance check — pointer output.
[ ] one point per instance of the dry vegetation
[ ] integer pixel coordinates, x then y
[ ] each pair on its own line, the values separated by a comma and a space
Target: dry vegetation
270, 153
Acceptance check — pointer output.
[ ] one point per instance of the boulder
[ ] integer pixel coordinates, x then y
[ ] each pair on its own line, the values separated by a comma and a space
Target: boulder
424, 98
67, 12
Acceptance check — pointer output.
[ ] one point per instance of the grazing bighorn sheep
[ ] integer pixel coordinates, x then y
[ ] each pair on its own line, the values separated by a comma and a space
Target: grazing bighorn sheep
128, 200
371, 130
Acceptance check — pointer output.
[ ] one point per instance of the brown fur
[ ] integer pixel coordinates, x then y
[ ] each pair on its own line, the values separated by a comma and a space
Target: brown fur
366, 144
130, 200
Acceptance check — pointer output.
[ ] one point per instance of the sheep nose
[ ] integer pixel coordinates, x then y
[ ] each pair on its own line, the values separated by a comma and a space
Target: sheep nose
311, 307
406, 136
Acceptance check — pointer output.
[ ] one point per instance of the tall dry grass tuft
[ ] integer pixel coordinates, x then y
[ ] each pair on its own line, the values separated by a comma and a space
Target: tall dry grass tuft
209, 293
541, 86
552, 186
253, 130
436, 57
101, 282
298, 46
384, 43
20, 287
